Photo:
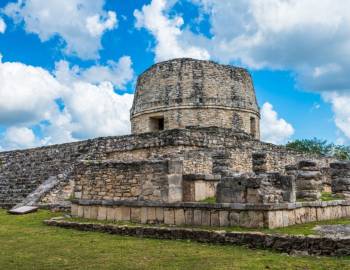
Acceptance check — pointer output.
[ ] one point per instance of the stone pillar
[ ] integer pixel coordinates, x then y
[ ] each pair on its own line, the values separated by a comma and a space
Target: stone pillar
175, 170
259, 161
221, 163
340, 174
308, 181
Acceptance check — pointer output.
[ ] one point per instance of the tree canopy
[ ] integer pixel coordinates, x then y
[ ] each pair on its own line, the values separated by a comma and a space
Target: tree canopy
320, 147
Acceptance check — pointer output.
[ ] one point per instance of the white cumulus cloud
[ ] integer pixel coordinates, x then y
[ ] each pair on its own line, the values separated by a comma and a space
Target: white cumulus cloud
340, 104
27, 93
18, 137
79, 23
167, 32
97, 25
273, 129
30, 96
118, 73
2, 26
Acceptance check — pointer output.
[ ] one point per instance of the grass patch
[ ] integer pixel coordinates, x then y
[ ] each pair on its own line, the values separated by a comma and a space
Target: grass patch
210, 200
26, 243
328, 196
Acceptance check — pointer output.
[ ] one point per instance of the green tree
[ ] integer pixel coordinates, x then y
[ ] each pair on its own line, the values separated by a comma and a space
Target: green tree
320, 147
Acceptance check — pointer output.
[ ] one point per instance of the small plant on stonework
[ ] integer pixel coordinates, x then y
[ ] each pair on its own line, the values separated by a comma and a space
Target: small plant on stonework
71, 197
210, 200
328, 196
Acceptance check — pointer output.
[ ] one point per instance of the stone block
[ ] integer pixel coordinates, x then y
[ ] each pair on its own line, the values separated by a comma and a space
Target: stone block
111, 213
311, 214
224, 218
135, 214
336, 212
200, 190
87, 210
175, 188
151, 215
80, 211
234, 218
143, 215
197, 217
169, 216
299, 215
214, 218
179, 217
74, 210
189, 216
205, 217
275, 219
125, 213
291, 217
251, 219
118, 213
93, 212
160, 214
102, 213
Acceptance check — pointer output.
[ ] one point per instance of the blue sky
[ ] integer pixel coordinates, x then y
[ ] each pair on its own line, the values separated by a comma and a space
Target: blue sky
68, 68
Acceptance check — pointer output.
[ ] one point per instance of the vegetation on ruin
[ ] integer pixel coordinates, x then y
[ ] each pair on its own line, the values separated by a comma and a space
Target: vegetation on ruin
329, 196
26, 243
320, 147
210, 200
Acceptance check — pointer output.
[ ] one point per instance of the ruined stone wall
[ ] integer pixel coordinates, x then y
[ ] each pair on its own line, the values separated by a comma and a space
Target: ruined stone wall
111, 180
256, 189
21, 172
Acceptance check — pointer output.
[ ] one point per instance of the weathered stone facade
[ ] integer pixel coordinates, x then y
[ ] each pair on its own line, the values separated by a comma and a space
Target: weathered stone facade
188, 92
22, 171
257, 189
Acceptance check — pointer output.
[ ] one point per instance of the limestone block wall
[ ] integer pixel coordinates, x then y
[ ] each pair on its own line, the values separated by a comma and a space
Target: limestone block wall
22, 171
109, 180
141, 180
204, 117
187, 92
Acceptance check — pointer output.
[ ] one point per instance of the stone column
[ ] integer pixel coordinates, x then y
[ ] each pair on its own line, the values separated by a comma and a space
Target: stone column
221, 163
259, 163
308, 181
340, 174
175, 172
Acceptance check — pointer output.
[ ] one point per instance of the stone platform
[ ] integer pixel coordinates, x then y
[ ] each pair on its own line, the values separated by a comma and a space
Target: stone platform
203, 214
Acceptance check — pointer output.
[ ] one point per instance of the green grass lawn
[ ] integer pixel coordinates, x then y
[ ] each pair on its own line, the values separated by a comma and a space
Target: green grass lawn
26, 243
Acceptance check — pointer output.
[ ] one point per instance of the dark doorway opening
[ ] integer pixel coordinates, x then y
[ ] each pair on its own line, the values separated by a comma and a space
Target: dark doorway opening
156, 123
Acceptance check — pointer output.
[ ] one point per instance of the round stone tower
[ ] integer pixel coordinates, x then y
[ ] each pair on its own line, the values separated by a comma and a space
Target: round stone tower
187, 92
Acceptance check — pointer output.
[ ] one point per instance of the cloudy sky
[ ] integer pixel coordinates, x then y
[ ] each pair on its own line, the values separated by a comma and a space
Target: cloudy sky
68, 68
